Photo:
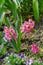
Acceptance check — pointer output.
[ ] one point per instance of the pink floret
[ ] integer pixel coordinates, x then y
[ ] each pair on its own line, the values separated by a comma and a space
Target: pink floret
7, 33
27, 26
13, 33
34, 48
31, 23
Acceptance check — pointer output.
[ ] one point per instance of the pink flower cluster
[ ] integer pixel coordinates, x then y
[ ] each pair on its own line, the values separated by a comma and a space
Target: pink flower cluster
34, 48
8, 32
28, 26
13, 33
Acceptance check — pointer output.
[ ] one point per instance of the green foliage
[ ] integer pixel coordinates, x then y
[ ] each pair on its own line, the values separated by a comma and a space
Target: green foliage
24, 9
2, 14
12, 7
3, 50
2, 2
37, 63
38, 55
36, 10
13, 59
16, 60
41, 6
7, 22
29, 7
1, 34
18, 42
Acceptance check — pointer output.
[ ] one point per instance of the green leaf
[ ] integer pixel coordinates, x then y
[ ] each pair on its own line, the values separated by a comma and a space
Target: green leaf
38, 55
17, 26
41, 5
18, 42
2, 2
2, 15
36, 10
7, 22
13, 44
37, 63
12, 7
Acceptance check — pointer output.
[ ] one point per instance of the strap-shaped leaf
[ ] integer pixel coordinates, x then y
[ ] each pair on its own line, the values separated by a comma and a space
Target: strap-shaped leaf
2, 2
18, 42
36, 10
2, 14
12, 7
7, 22
14, 44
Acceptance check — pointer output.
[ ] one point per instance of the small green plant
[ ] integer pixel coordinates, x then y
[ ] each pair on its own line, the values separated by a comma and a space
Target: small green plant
37, 63
21, 59
14, 59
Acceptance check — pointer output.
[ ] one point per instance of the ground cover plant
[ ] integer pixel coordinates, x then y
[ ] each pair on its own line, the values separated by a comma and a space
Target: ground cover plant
21, 32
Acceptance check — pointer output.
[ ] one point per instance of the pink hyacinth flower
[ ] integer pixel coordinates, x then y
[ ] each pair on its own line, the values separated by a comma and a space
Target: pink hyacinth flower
27, 26
13, 33
31, 23
7, 33
34, 48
